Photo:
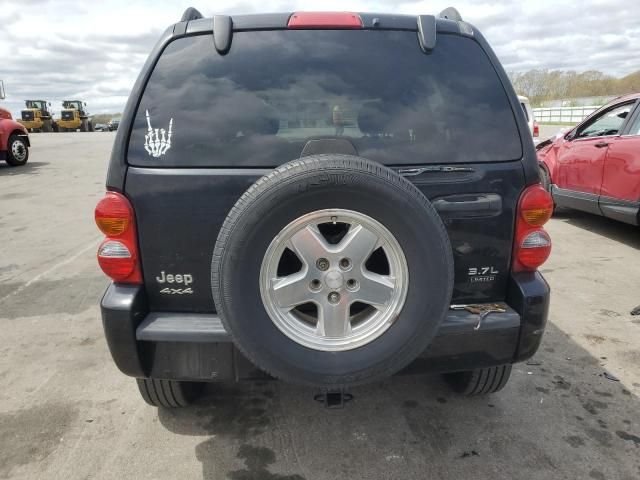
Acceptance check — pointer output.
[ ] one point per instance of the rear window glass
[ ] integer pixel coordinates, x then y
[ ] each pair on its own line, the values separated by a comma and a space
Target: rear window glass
260, 104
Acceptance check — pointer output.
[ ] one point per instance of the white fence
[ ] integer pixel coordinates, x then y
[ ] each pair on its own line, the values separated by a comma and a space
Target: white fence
563, 114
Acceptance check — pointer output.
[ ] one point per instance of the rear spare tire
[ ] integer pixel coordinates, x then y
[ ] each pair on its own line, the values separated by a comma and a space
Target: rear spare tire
332, 271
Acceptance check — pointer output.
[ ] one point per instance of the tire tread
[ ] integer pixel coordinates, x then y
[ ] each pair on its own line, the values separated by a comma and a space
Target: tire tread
167, 393
481, 381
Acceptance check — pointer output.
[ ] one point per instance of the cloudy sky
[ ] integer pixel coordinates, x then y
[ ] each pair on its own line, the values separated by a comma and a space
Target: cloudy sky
57, 49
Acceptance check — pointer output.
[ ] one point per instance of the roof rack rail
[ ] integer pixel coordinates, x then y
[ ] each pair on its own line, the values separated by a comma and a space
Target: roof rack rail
191, 14
450, 13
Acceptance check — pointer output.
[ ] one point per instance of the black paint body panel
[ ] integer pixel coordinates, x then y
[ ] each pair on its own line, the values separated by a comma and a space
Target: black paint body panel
529, 296
180, 211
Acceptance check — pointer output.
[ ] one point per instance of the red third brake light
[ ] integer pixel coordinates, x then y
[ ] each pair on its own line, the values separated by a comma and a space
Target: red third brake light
532, 243
118, 254
536, 129
324, 20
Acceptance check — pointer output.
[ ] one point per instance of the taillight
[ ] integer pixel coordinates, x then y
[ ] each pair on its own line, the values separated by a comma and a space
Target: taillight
532, 243
324, 20
535, 206
536, 129
118, 254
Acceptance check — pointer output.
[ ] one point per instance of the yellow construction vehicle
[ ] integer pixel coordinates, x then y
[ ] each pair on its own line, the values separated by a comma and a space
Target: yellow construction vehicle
37, 116
74, 116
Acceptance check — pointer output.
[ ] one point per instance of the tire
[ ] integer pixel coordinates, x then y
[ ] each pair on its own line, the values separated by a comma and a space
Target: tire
46, 126
480, 381
300, 189
90, 127
168, 393
19, 157
83, 126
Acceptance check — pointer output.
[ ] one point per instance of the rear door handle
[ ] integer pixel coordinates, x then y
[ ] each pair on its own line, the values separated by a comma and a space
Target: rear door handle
601, 144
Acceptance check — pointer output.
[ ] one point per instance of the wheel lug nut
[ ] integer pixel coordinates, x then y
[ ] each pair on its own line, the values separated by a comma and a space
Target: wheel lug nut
315, 284
322, 264
352, 284
334, 297
345, 263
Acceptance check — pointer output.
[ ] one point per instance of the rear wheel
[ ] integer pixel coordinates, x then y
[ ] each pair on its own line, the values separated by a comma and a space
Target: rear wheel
17, 151
168, 393
480, 381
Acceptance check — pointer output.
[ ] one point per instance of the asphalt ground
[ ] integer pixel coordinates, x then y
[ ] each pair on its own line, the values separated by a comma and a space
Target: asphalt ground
66, 412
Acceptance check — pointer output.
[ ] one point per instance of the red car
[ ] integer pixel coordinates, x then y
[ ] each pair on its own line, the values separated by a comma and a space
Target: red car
595, 167
14, 138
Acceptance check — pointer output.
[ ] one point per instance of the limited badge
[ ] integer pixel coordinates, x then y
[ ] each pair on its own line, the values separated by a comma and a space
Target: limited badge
157, 140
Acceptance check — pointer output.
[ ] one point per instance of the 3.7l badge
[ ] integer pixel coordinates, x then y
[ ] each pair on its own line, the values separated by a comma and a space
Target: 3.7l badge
482, 274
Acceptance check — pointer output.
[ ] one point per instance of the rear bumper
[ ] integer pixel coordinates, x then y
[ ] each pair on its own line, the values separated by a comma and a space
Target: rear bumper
187, 346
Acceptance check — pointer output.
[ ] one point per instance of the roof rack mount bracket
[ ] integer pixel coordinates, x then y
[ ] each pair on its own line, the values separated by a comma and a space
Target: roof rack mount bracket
191, 14
222, 33
427, 32
451, 13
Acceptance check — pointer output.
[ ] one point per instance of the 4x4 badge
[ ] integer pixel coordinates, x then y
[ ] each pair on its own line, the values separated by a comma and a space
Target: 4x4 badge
157, 141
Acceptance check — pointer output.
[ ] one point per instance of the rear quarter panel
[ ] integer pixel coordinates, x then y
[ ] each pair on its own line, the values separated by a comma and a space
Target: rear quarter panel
548, 156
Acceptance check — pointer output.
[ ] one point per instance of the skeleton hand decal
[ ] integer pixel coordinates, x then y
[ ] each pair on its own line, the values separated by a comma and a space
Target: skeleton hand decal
157, 141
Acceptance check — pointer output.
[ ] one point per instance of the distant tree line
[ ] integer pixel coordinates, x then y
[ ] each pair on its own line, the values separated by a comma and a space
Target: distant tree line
542, 85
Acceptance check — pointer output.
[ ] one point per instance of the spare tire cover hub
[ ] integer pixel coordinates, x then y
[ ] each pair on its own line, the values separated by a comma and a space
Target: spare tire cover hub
346, 305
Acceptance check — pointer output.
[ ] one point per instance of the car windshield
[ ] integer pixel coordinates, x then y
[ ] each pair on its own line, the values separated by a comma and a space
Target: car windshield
275, 91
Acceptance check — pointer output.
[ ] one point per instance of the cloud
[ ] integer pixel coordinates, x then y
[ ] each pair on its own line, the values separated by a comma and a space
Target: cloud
61, 49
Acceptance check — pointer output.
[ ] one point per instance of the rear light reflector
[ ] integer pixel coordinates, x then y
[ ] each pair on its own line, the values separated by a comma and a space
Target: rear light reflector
118, 254
113, 249
536, 129
536, 239
534, 250
116, 260
532, 243
325, 20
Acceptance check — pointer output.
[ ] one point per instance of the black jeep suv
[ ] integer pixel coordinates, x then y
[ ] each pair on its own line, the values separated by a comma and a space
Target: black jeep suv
324, 198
